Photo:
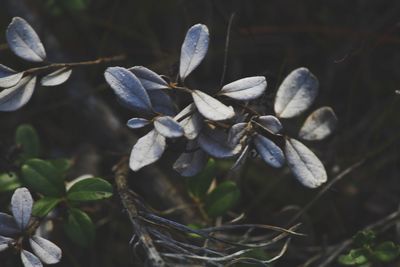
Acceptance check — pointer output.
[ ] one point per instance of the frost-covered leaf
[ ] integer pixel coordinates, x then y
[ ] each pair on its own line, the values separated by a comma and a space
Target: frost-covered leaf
269, 151
147, 150
168, 127
192, 121
47, 251
21, 207
270, 123
8, 226
9, 77
136, 123
149, 79
236, 133
30, 260
24, 41
162, 102
15, 97
57, 77
128, 88
296, 93
194, 49
304, 164
245, 89
211, 108
191, 163
215, 143
4, 243
319, 125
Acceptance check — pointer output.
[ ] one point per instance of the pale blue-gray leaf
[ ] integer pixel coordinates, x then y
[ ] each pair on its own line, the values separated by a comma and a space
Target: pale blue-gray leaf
191, 163
4, 243
191, 121
128, 88
211, 108
270, 123
8, 226
245, 89
149, 79
17, 96
9, 77
319, 125
296, 93
304, 164
237, 133
24, 42
57, 77
30, 260
147, 150
21, 207
47, 251
269, 151
168, 127
162, 102
215, 143
194, 49
136, 123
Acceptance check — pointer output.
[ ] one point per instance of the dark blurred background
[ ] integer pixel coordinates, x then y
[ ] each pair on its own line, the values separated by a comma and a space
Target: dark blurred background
352, 46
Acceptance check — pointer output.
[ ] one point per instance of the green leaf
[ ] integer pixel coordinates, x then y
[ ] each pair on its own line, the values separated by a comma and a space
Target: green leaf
43, 177
62, 165
27, 138
43, 206
90, 189
79, 228
9, 182
222, 199
364, 238
198, 185
386, 251
355, 257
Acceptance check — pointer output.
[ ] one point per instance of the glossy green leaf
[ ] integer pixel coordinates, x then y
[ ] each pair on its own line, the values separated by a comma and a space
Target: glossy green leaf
222, 199
62, 165
90, 189
28, 139
386, 251
44, 206
198, 185
79, 228
43, 177
9, 182
354, 258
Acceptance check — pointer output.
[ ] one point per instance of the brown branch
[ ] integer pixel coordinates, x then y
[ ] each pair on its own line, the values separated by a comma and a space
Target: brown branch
121, 173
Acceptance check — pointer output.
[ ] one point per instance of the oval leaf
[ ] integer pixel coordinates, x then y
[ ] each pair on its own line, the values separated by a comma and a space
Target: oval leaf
162, 102
168, 127
296, 93
24, 42
269, 151
270, 123
21, 207
44, 206
149, 79
147, 150
27, 137
194, 49
192, 121
57, 77
17, 96
79, 228
200, 184
128, 88
319, 125
9, 182
4, 243
245, 89
9, 77
48, 252
236, 133
222, 199
304, 164
8, 226
43, 177
211, 108
30, 260
215, 143
90, 189
191, 163
136, 123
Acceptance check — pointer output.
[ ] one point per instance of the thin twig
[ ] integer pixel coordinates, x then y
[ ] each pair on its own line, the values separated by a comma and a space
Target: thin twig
228, 34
